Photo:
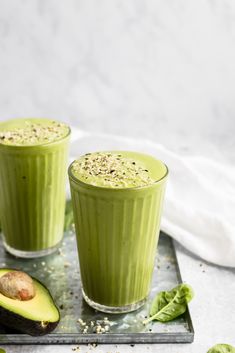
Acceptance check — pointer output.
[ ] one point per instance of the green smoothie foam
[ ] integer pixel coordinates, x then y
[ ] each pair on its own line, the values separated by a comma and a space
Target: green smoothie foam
118, 169
28, 132
117, 199
33, 160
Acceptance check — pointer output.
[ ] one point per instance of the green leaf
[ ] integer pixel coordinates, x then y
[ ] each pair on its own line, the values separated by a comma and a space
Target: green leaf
166, 306
159, 302
222, 348
2, 350
68, 218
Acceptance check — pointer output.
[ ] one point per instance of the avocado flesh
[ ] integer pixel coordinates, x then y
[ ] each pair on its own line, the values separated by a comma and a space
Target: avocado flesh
37, 316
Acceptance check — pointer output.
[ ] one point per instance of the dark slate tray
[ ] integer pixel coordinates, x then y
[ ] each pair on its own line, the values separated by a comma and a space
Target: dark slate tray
60, 273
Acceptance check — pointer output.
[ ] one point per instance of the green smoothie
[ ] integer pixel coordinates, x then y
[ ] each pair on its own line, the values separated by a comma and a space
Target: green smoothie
117, 200
33, 160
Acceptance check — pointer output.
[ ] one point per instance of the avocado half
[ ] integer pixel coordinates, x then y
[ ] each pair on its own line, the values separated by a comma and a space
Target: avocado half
36, 317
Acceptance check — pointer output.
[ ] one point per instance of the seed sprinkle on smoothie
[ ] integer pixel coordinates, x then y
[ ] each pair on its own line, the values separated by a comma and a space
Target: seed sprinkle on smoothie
33, 133
113, 170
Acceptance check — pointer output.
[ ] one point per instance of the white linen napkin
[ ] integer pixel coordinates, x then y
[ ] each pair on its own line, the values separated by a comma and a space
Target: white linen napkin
199, 209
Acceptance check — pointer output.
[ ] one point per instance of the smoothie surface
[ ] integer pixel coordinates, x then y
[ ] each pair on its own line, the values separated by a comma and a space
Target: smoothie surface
118, 169
31, 132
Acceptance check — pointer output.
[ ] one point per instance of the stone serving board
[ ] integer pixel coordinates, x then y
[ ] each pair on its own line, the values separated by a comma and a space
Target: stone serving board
60, 273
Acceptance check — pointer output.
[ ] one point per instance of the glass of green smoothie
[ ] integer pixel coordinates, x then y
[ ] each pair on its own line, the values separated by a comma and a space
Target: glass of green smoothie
117, 201
33, 163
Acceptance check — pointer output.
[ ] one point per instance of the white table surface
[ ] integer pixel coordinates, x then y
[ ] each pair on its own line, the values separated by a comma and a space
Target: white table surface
157, 69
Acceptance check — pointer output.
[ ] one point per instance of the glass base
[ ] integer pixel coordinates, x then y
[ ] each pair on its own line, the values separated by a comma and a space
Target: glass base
113, 309
30, 254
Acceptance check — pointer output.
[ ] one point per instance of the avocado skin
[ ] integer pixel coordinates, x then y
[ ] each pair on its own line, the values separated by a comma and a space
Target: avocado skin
31, 327
24, 325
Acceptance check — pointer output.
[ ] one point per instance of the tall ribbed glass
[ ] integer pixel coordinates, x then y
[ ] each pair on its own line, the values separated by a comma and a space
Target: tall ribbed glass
117, 235
32, 197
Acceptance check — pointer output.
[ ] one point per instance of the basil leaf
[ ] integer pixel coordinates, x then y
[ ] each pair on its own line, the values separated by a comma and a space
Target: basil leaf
222, 348
166, 306
68, 218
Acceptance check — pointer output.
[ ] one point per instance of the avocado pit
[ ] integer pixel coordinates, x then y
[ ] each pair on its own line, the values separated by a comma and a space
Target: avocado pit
17, 285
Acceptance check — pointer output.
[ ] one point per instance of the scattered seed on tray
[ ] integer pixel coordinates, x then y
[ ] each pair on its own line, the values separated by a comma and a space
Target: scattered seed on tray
98, 326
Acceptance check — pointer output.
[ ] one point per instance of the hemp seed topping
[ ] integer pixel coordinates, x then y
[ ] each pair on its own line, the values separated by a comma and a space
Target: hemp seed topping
114, 170
34, 133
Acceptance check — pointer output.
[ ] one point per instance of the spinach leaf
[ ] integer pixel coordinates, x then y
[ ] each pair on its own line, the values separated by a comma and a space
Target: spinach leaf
222, 348
166, 306
68, 218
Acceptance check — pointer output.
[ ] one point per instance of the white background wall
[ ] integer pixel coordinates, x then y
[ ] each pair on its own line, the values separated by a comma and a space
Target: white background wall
161, 69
